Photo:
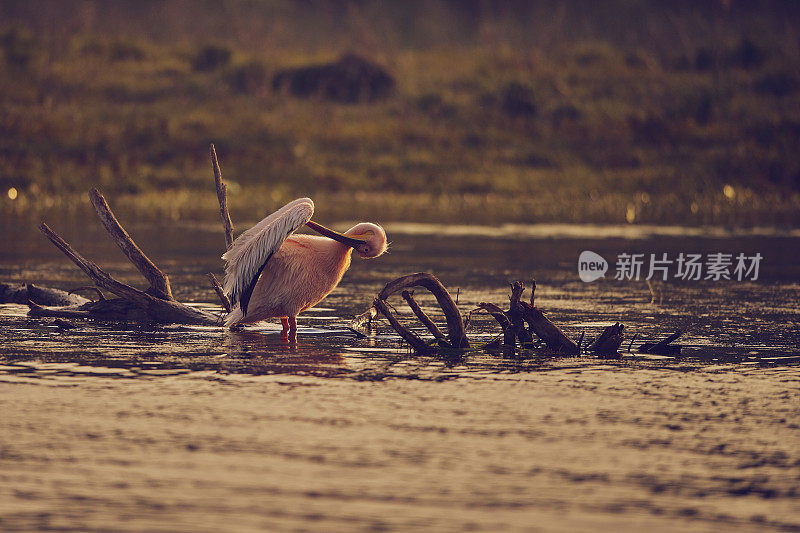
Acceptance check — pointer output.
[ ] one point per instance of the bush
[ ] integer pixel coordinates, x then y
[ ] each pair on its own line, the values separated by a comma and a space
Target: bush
210, 58
125, 51
703, 59
248, 78
352, 79
19, 47
747, 55
517, 100
777, 84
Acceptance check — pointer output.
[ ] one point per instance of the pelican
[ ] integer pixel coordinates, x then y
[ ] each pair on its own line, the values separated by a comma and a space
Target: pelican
270, 272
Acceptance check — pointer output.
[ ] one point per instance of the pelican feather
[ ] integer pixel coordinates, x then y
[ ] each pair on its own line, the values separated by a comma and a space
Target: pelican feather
252, 249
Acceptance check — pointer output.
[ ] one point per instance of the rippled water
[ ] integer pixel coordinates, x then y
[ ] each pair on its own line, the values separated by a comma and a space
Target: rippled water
108, 426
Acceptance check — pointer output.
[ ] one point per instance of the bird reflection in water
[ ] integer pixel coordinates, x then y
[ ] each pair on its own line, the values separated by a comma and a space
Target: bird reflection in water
264, 353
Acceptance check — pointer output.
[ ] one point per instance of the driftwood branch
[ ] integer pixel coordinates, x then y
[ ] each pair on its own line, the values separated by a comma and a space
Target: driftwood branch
159, 282
22, 293
512, 322
227, 225
424, 318
38, 311
114, 309
222, 196
455, 324
159, 310
223, 299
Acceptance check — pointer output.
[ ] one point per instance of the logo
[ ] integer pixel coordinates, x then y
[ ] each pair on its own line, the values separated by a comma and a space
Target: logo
591, 266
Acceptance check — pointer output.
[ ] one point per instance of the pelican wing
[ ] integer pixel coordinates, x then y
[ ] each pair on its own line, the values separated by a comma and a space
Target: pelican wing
253, 249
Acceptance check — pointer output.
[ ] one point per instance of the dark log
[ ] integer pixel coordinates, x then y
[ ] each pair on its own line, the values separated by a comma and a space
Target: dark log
112, 310
455, 324
17, 293
515, 315
157, 309
672, 349
409, 336
608, 343
38, 311
425, 319
60, 323
663, 347
547, 331
222, 196
159, 282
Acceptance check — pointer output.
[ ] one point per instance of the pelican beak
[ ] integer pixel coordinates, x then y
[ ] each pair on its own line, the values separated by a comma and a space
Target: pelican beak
335, 235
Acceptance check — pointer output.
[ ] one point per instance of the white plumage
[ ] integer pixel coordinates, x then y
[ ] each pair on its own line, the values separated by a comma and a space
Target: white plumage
252, 249
272, 273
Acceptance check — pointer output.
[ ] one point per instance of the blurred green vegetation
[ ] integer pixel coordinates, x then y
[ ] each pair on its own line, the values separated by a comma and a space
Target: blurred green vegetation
577, 130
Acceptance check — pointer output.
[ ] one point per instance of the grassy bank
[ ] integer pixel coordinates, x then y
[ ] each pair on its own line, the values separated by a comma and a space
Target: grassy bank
587, 132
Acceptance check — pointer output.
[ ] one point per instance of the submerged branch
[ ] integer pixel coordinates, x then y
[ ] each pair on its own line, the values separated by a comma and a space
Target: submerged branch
509, 337
409, 336
663, 347
455, 324
223, 299
425, 319
515, 314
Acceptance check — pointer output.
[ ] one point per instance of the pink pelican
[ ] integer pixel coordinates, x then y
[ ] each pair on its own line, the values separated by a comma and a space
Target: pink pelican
270, 272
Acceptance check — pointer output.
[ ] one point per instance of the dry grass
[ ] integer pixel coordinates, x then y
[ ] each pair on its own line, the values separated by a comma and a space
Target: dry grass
586, 132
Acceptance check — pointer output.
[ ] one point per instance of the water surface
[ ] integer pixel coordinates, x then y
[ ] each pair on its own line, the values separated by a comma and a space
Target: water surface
112, 426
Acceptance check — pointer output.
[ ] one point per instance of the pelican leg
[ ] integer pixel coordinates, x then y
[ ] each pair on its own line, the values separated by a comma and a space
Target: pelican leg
285, 331
292, 329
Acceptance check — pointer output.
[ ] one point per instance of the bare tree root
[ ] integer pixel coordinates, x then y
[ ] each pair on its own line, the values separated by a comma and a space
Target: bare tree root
456, 335
512, 322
